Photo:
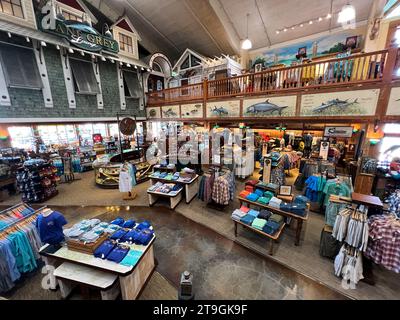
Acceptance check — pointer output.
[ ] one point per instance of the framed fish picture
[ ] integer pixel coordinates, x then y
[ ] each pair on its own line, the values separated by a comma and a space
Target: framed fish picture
345, 103
170, 112
270, 107
394, 102
223, 109
192, 110
154, 113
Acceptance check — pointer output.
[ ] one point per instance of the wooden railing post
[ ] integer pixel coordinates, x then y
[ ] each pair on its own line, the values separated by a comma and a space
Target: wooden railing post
205, 90
390, 65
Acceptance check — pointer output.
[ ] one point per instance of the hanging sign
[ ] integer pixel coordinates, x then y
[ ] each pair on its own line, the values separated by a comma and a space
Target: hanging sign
79, 34
338, 132
324, 150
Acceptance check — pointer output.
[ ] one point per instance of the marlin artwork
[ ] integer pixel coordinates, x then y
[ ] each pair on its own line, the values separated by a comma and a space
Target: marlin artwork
170, 113
221, 111
335, 103
265, 107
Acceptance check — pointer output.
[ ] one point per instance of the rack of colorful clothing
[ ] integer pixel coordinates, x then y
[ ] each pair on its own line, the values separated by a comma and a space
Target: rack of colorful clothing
309, 167
217, 187
19, 245
351, 229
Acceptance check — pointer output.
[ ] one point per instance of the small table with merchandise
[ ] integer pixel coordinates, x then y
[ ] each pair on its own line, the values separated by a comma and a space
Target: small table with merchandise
272, 238
102, 273
191, 186
298, 218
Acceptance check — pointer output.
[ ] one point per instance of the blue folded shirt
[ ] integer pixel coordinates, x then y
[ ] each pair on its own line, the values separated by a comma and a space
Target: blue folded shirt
301, 199
129, 224
259, 192
118, 235
118, 254
299, 209
145, 237
285, 206
248, 219
253, 213
104, 249
252, 197
119, 221
132, 258
143, 225
130, 236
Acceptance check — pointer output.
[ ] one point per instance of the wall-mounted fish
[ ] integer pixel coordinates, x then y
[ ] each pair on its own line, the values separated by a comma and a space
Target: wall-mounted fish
265, 107
335, 103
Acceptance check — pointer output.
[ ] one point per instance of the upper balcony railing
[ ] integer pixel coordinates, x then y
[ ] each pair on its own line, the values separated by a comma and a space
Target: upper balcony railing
353, 70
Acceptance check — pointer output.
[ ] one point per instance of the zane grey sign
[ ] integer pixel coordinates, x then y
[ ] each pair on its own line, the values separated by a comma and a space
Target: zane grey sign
338, 132
79, 34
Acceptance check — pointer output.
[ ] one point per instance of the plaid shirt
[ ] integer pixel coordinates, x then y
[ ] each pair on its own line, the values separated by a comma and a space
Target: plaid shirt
220, 192
384, 248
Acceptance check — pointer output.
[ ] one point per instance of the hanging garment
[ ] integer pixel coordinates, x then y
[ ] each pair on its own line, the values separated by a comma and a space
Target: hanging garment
22, 251
125, 181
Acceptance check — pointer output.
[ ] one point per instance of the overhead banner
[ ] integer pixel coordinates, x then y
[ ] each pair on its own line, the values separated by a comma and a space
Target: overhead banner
345, 103
338, 132
270, 107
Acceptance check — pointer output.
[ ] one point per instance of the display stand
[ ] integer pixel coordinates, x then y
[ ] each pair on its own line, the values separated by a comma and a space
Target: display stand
191, 187
298, 218
273, 238
174, 198
266, 178
131, 279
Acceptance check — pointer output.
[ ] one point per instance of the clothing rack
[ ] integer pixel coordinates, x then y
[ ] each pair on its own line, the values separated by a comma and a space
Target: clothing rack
22, 219
13, 207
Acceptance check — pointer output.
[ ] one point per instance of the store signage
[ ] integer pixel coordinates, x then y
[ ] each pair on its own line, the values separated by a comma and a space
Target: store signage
324, 150
338, 132
79, 34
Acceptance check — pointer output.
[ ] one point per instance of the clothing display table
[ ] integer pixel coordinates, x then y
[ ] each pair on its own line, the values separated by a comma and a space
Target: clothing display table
273, 238
69, 275
366, 200
191, 187
298, 218
174, 197
131, 279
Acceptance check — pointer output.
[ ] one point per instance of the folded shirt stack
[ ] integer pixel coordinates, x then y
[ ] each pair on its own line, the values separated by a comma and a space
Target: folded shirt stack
252, 183
259, 223
271, 227
129, 224
104, 249
299, 209
244, 194
238, 214
175, 176
253, 213
155, 186
118, 221
252, 197
188, 170
249, 188
171, 166
131, 258
264, 214
263, 200
118, 253
259, 192
245, 209
286, 206
112, 228
301, 200
269, 194
275, 202
90, 237
118, 234
248, 219
169, 176
163, 175
276, 218
143, 225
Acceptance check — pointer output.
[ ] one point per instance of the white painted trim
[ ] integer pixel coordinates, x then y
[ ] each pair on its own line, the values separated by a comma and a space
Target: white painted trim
183, 56
68, 79
303, 39
4, 102
99, 96
128, 21
61, 120
77, 12
44, 76
121, 87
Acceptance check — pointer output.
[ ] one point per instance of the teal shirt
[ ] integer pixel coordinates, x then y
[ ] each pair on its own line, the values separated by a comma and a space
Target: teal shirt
22, 251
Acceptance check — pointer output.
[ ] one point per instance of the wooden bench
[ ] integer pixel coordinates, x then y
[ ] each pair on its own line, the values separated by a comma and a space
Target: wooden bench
70, 275
273, 238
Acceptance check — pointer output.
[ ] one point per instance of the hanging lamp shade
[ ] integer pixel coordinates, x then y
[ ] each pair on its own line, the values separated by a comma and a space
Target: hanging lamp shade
246, 44
347, 14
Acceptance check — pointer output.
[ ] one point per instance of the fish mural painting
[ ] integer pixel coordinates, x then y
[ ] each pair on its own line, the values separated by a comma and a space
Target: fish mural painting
270, 107
194, 110
394, 102
170, 112
223, 109
345, 103
154, 113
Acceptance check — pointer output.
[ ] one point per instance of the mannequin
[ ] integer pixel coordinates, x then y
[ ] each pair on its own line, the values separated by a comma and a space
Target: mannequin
127, 179
50, 225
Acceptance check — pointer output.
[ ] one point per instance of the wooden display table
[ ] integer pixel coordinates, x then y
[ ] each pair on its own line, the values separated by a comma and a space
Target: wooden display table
298, 218
191, 187
286, 198
272, 238
366, 200
173, 197
131, 279
69, 275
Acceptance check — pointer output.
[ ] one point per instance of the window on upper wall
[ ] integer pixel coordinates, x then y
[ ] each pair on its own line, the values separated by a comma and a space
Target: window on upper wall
132, 85
125, 43
12, 8
85, 80
20, 68
186, 63
390, 145
194, 61
22, 137
157, 67
71, 16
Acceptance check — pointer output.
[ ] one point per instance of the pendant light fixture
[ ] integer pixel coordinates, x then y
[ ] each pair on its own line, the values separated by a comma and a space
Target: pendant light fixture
347, 14
246, 44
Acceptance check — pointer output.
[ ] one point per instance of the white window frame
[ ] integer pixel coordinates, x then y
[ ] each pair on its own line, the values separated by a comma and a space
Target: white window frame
15, 17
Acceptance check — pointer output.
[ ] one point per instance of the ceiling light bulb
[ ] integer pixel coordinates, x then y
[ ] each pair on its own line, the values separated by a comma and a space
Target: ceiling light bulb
103, 59
292, 28
310, 22
284, 30
43, 44
246, 44
135, 67
301, 26
277, 31
319, 19
347, 14
82, 54
70, 50
28, 39
328, 16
